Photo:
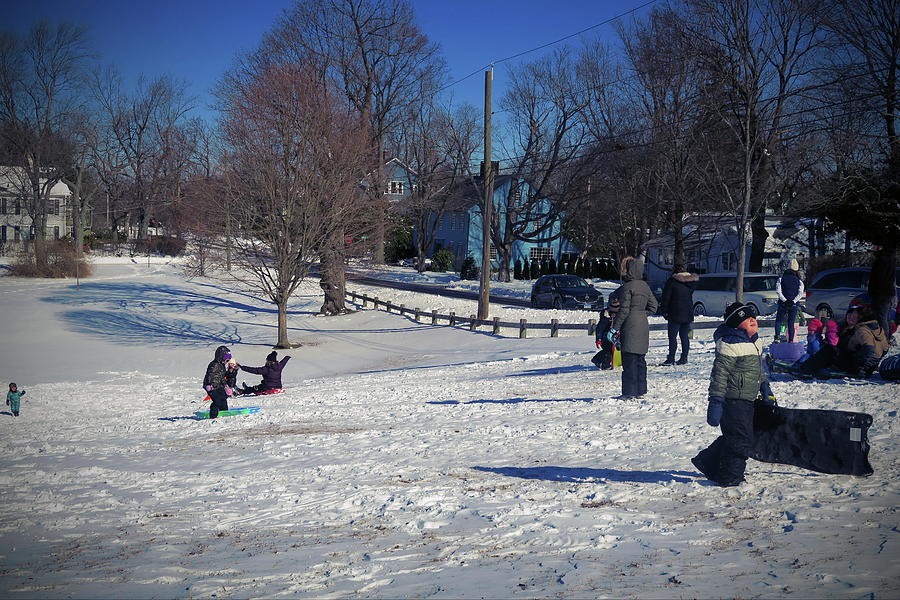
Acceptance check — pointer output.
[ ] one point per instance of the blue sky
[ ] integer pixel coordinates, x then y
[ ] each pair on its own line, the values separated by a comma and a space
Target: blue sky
197, 40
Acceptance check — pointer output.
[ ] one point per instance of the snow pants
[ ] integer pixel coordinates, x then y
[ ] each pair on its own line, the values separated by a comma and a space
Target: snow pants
634, 374
678, 330
726, 458
787, 316
219, 402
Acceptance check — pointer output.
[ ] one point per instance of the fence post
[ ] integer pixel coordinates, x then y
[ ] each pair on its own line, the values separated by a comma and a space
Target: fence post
592, 326
365, 300
416, 313
375, 303
523, 329
554, 327
434, 317
402, 309
473, 324
496, 326
452, 318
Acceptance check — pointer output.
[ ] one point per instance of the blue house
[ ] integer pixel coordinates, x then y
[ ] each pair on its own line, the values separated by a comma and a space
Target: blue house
460, 230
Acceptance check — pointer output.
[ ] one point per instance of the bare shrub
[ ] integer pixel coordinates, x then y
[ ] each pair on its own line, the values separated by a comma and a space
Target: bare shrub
62, 261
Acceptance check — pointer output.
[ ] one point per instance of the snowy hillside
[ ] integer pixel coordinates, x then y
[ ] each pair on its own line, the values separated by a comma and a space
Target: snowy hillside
405, 460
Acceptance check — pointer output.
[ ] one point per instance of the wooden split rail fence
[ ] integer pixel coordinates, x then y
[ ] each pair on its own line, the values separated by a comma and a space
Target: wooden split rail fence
454, 320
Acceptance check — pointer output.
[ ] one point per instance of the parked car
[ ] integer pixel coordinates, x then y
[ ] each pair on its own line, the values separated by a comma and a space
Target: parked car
565, 291
715, 291
412, 262
830, 291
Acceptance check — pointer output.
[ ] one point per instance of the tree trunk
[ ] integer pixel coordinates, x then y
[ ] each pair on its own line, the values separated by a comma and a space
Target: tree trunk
758, 242
332, 279
283, 341
882, 285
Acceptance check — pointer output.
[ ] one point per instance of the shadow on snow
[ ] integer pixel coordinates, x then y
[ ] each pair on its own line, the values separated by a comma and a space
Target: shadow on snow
585, 475
512, 401
142, 329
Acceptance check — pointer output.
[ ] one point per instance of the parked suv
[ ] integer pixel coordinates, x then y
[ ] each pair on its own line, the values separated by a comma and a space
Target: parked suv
715, 291
565, 291
831, 291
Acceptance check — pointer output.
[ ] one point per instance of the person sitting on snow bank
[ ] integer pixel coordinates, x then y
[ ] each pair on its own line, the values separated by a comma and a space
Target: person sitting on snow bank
215, 382
859, 348
271, 374
737, 379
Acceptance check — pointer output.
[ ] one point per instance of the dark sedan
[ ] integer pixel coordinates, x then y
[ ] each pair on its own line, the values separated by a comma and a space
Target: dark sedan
565, 291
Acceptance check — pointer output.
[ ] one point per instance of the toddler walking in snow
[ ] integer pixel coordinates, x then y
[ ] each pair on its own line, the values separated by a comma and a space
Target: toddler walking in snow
13, 398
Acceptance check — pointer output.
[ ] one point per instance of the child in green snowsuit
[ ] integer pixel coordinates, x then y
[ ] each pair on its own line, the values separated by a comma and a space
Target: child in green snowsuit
13, 397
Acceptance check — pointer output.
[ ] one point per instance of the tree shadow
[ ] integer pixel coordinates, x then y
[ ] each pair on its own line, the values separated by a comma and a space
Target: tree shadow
173, 419
832, 379
555, 371
132, 329
585, 475
512, 401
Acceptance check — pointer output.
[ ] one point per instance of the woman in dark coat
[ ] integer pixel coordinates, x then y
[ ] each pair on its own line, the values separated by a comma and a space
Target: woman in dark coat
271, 374
677, 306
630, 329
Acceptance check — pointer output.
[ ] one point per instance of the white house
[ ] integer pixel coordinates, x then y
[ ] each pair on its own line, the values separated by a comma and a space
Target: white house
16, 225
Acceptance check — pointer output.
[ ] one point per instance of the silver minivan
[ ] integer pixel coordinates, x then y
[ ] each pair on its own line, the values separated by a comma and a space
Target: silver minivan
715, 291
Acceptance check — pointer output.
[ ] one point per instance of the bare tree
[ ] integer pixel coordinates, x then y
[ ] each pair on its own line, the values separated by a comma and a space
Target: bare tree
437, 147
144, 138
41, 78
545, 103
760, 53
291, 177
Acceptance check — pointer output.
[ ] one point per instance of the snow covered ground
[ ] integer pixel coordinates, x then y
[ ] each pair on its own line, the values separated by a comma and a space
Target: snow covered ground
405, 460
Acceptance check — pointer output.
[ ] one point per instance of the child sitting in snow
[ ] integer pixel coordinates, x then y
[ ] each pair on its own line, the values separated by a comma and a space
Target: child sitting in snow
814, 338
13, 398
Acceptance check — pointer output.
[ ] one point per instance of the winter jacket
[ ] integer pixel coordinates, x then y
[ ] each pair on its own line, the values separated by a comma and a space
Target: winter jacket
271, 373
861, 347
737, 371
215, 372
677, 304
606, 318
789, 287
13, 398
637, 301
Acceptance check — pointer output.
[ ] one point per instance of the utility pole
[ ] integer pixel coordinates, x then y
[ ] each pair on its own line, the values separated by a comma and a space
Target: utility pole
488, 173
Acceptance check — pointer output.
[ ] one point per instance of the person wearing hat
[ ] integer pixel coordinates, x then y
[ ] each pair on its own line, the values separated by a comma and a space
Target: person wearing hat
215, 381
13, 398
271, 374
790, 292
737, 379
630, 330
677, 306
862, 342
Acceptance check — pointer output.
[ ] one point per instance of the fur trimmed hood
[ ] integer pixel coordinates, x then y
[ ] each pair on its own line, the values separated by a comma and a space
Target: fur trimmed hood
685, 277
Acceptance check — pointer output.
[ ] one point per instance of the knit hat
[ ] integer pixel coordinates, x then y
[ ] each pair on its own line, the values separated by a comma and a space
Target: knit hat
815, 326
12, 385
272, 357
795, 266
737, 313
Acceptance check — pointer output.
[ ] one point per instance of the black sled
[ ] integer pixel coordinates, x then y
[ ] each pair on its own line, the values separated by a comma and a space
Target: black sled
826, 441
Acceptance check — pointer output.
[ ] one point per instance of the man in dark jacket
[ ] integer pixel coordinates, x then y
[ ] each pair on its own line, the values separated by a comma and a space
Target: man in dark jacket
677, 306
215, 384
790, 292
271, 374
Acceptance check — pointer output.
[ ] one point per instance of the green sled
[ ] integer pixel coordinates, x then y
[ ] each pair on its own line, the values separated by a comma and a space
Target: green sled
231, 412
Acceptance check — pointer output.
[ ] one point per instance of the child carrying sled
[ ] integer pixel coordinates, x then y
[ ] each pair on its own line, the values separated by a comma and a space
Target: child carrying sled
13, 398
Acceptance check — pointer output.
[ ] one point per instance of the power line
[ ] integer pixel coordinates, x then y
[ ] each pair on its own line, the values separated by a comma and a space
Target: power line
548, 44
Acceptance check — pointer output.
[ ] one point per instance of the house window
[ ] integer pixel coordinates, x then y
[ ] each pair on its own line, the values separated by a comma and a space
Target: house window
18, 208
493, 253
541, 254
729, 261
2, 233
395, 187
2, 206
54, 206
666, 256
17, 235
56, 232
